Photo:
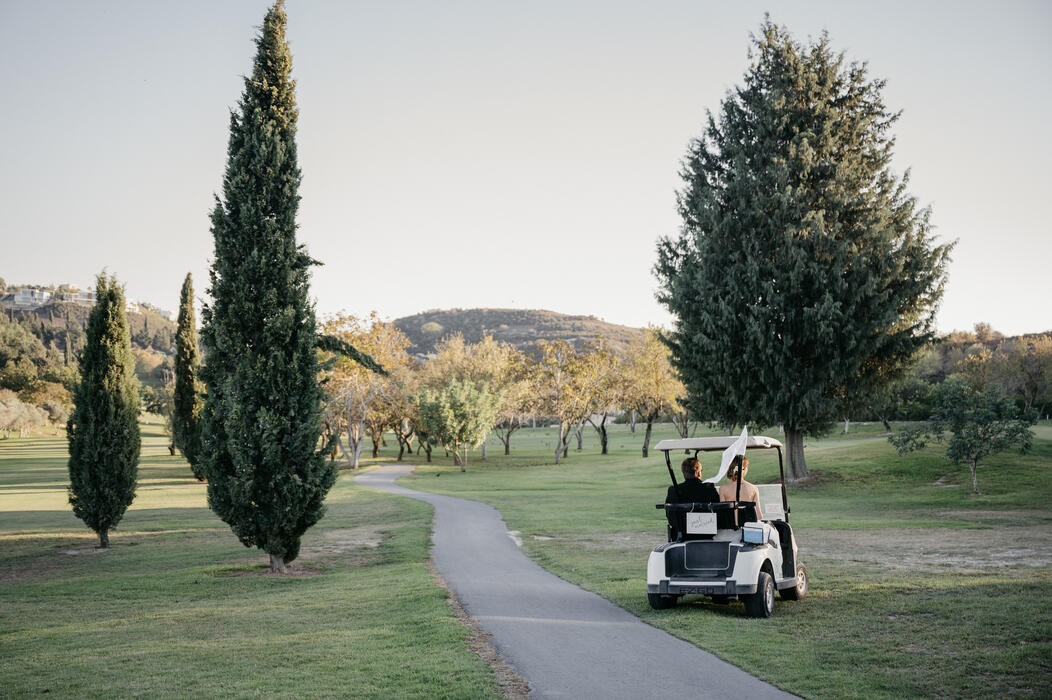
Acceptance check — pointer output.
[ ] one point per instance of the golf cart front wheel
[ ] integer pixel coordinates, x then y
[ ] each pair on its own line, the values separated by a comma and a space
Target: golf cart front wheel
761, 603
661, 602
798, 591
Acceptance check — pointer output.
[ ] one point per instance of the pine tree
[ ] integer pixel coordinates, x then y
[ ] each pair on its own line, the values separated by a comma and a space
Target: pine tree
187, 398
103, 430
804, 271
267, 477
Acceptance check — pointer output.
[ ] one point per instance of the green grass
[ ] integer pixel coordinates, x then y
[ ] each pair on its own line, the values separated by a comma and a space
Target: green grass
895, 610
179, 608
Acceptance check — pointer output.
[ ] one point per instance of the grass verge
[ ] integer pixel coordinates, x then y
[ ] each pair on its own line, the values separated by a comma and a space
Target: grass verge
918, 588
178, 608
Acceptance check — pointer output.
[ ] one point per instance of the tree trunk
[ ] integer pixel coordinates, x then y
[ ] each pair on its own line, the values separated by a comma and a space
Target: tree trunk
277, 564
580, 437
646, 437
171, 449
975, 481
795, 465
507, 444
632, 422
427, 449
483, 450
463, 458
104, 538
376, 449
456, 459
887, 425
559, 443
603, 437
847, 426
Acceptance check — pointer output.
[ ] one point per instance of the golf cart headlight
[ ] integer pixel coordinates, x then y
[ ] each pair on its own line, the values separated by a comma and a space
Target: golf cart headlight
756, 533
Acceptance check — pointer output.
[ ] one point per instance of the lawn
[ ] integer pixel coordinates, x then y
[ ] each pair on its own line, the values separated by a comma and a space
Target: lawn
177, 607
918, 588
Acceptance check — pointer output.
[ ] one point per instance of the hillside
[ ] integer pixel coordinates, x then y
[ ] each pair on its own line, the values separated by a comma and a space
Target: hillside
519, 327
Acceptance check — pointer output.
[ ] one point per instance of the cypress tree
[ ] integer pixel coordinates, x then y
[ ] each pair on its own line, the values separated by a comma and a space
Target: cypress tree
187, 396
267, 477
804, 273
103, 430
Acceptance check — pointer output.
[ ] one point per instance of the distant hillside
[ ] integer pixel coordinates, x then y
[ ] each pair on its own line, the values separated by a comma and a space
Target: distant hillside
519, 327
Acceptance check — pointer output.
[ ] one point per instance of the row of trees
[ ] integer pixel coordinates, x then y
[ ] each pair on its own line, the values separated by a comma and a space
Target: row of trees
455, 398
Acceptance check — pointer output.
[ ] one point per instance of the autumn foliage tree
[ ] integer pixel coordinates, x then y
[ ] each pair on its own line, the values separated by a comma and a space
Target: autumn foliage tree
650, 385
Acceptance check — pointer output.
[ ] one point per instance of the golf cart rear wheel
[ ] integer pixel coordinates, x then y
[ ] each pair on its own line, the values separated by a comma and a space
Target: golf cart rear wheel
661, 602
798, 591
761, 603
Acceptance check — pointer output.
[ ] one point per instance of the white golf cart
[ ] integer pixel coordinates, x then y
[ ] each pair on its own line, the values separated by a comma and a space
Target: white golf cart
719, 549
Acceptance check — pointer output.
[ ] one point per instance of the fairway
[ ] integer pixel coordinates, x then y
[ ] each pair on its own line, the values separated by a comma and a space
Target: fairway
178, 608
918, 588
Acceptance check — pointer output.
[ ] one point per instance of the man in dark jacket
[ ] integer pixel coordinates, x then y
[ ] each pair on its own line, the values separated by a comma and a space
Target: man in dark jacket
692, 489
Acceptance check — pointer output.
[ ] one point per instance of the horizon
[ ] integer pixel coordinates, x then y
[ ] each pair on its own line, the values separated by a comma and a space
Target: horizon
485, 156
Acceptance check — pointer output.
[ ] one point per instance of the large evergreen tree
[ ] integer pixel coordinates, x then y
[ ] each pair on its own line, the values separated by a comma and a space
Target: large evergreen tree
187, 397
266, 476
804, 270
103, 430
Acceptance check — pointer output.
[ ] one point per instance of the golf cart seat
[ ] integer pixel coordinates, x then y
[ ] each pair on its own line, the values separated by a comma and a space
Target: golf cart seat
728, 517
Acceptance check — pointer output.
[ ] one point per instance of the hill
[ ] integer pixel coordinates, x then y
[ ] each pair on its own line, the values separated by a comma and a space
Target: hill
519, 327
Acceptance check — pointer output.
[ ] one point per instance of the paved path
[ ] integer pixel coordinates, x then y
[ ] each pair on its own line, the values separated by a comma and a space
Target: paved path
567, 642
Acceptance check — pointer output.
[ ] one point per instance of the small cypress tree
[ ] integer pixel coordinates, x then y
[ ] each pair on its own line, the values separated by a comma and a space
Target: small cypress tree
267, 477
103, 430
187, 397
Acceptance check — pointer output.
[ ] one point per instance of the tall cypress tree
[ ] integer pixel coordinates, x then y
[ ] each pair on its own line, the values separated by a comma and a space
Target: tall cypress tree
103, 430
187, 398
804, 273
266, 476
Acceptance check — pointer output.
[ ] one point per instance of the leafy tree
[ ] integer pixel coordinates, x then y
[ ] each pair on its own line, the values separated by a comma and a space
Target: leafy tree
1023, 370
979, 423
804, 268
103, 430
188, 392
267, 477
358, 398
500, 366
459, 416
651, 387
560, 390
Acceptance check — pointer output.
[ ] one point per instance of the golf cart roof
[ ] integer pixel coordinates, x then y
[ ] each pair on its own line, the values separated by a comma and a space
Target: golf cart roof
714, 444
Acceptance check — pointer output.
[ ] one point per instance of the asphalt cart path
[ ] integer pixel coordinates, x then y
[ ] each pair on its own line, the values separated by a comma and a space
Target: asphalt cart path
565, 641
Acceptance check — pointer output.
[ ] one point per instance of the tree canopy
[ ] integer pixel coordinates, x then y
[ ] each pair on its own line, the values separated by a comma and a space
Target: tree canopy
804, 269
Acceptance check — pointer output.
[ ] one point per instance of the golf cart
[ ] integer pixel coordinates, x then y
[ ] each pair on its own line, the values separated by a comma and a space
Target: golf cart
720, 549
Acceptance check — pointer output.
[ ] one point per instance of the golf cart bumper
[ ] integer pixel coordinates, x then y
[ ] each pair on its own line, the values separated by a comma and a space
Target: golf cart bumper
701, 588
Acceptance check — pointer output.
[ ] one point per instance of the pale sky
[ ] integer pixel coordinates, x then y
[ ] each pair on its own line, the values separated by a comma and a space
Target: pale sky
493, 154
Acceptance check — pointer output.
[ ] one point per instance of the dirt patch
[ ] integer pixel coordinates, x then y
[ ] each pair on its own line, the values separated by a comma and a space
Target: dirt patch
509, 683
77, 551
291, 571
361, 541
934, 549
